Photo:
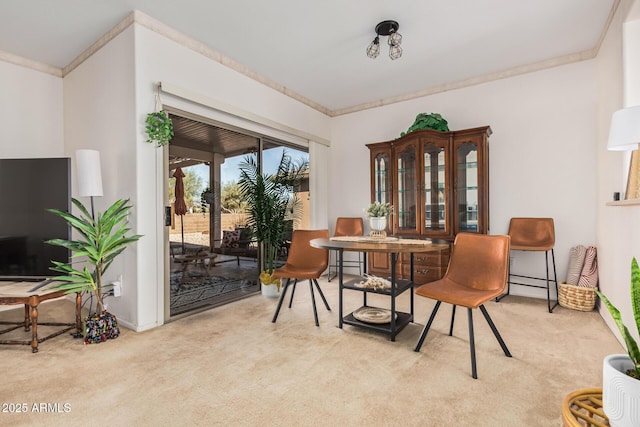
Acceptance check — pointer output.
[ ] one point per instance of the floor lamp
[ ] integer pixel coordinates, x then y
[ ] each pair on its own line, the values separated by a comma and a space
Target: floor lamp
89, 175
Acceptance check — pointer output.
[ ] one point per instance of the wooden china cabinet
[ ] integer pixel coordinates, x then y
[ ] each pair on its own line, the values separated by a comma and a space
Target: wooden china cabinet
438, 184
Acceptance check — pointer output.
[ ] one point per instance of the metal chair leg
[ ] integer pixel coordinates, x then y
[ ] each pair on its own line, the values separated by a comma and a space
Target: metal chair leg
293, 291
284, 291
453, 317
326, 304
423, 335
555, 279
313, 302
495, 331
472, 345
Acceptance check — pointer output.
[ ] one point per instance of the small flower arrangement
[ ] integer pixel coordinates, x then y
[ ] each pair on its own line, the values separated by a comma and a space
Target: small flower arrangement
378, 209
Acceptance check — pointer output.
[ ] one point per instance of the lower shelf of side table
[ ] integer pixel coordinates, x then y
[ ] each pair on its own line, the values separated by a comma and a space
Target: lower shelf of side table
402, 320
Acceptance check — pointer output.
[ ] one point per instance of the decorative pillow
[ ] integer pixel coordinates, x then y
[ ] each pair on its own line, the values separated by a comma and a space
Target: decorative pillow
576, 263
589, 274
230, 239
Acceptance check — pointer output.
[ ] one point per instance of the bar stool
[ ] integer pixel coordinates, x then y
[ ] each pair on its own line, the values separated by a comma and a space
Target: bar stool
534, 234
346, 226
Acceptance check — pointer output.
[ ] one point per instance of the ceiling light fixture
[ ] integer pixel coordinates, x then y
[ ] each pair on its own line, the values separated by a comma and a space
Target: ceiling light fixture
390, 29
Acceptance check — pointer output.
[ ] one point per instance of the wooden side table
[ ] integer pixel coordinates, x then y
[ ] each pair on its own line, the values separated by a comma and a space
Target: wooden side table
19, 293
584, 408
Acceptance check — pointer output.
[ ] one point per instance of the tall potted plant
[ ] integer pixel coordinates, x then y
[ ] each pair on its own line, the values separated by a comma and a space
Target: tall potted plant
621, 372
273, 206
99, 242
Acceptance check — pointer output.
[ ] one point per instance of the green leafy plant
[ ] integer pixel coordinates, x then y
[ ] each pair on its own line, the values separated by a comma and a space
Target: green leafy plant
159, 128
100, 241
632, 346
428, 121
273, 204
378, 209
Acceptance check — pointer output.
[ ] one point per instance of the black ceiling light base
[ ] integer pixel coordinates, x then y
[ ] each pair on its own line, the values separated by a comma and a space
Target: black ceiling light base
387, 27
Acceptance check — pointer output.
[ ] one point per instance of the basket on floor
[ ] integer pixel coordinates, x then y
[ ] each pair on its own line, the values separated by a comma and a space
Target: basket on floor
576, 297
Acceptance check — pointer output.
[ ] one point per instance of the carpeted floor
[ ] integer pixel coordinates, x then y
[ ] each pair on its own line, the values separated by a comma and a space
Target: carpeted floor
230, 366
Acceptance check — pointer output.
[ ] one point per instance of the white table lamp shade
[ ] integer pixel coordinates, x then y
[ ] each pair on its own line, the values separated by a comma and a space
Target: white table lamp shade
624, 133
89, 173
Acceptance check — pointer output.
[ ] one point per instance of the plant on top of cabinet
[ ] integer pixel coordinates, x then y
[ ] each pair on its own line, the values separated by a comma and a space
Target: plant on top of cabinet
428, 121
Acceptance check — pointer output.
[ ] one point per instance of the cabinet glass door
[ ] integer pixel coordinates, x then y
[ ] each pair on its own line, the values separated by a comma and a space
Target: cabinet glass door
407, 189
436, 187
381, 176
467, 186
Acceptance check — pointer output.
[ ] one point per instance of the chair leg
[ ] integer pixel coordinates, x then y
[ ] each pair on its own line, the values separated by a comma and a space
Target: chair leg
326, 304
472, 345
313, 302
423, 335
284, 291
453, 317
495, 331
293, 291
555, 279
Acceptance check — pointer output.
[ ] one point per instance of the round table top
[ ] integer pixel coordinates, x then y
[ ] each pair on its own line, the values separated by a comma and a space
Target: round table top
364, 244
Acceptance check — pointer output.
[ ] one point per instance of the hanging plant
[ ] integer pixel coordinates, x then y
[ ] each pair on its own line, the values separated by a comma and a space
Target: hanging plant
159, 128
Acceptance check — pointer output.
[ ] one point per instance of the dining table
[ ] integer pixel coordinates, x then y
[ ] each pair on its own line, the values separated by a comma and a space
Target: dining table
389, 321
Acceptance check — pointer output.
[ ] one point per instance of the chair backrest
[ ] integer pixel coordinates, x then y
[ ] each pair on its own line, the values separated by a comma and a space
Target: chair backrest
347, 226
534, 234
302, 254
479, 261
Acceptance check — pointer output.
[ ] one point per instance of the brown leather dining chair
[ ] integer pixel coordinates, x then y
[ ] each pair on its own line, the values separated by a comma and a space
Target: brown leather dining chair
477, 273
303, 262
346, 226
535, 235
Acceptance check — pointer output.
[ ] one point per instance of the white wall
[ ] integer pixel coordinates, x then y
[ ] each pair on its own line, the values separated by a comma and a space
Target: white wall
99, 114
618, 226
542, 152
31, 113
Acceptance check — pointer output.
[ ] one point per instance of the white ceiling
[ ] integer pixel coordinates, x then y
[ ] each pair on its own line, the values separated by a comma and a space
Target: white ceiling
317, 48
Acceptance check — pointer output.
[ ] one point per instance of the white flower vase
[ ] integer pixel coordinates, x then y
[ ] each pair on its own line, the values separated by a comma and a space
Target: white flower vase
378, 225
620, 392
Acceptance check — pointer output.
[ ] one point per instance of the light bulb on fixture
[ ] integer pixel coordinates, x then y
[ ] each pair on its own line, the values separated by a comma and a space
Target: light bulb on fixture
390, 29
374, 48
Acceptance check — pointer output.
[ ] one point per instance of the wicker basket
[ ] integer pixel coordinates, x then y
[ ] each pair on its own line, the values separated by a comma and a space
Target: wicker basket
576, 297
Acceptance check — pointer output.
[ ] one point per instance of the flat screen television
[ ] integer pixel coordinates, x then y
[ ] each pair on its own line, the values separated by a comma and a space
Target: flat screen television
28, 187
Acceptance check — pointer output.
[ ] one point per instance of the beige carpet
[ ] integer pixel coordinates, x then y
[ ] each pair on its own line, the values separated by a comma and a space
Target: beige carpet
231, 366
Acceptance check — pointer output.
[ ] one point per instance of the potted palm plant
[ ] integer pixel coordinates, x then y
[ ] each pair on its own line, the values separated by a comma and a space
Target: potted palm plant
621, 372
273, 206
99, 242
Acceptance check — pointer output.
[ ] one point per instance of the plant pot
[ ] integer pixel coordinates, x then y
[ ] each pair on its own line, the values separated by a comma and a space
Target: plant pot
620, 392
378, 225
100, 327
270, 291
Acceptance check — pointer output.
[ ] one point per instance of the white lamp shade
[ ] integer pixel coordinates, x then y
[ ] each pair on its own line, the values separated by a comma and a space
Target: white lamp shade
89, 173
624, 133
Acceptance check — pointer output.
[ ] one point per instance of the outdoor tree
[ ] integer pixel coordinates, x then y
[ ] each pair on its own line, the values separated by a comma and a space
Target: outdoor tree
232, 199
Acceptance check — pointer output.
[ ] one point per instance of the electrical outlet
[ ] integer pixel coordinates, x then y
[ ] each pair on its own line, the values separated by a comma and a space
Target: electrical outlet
117, 288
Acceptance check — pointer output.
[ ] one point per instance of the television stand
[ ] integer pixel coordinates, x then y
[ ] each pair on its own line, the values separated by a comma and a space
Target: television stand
12, 293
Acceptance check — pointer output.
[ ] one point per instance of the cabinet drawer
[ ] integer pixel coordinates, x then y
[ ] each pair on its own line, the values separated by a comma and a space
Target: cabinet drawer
423, 274
427, 258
